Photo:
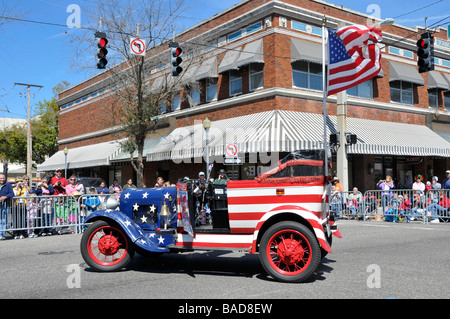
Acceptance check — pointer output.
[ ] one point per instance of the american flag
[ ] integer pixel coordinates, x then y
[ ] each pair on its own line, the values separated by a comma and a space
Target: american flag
354, 56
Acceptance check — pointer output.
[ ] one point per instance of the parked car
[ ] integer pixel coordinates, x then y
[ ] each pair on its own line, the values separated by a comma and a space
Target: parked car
91, 181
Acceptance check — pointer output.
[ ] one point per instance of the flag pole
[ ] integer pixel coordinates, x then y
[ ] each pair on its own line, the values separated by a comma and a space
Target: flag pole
325, 91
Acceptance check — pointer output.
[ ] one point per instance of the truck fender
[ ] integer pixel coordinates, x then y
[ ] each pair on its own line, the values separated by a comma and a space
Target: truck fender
310, 217
134, 231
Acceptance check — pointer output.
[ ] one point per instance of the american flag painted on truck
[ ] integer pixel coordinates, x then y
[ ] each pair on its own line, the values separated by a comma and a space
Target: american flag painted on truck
249, 201
250, 204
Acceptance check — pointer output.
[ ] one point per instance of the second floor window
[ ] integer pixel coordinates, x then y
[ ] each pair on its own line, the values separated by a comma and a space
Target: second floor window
195, 95
447, 100
307, 75
211, 89
433, 97
256, 76
364, 89
235, 82
175, 102
402, 92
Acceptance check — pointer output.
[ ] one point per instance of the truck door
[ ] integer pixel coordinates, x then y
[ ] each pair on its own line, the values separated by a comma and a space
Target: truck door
187, 216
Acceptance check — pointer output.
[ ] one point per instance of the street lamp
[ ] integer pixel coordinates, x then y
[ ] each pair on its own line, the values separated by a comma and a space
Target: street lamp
66, 151
388, 21
207, 126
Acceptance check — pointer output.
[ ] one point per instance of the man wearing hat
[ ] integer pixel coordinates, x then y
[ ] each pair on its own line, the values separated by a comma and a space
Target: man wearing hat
446, 182
222, 179
59, 183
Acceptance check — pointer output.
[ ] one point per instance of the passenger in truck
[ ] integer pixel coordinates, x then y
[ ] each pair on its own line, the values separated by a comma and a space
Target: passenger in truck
222, 179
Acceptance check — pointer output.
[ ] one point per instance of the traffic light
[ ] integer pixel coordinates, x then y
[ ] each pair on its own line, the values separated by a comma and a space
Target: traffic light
334, 138
351, 139
102, 42
425, 52
175, 59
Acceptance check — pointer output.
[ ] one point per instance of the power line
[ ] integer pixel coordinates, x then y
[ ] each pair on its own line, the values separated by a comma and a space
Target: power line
428, 5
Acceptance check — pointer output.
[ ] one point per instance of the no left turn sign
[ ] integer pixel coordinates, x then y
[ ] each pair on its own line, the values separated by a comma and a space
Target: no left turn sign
137, 46
231, 150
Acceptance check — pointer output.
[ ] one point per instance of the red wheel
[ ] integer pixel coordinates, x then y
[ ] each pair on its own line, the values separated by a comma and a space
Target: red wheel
105, 247
289, 252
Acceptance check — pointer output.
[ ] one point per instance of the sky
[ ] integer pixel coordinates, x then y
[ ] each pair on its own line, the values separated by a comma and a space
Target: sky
38, 54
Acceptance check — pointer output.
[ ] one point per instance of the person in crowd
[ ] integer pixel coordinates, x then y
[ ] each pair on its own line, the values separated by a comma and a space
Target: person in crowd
80, 186
26, 184
354, 200
418, 206
336, 201
405, 206
19, 213
442, 207
73, 210
90, 204
32, 215
58, 182
92, 201
72, 186
386, 186
129, 184
418, 186
102, 189
427, 186
42, 190
159, 182
115, 188
6, 192
102, 197
446, 181
434, 183
336, 183
222, 178
61, 213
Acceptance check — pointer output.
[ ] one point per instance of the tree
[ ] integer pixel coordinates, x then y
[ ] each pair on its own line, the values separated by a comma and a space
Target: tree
44, 124
136, 105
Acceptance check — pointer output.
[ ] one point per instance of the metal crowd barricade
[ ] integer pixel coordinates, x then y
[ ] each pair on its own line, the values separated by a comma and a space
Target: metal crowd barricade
37, 215
347, 205
438, 205
404, 204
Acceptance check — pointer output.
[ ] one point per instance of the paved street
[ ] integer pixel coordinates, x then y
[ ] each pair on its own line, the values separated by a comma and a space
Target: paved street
372, 260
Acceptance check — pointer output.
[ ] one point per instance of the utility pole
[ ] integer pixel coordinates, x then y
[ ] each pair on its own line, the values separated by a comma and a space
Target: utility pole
29, 143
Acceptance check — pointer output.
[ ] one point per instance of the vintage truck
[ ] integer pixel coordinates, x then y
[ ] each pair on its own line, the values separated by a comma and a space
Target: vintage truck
282, 214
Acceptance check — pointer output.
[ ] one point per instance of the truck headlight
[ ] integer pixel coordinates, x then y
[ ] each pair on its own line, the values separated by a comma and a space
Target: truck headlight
112, 203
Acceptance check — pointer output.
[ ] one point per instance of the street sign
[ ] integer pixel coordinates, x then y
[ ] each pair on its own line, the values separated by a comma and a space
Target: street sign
448, 31
231, 150
232, 161
137, 46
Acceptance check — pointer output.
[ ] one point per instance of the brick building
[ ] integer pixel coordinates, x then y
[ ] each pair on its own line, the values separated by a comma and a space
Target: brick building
259, 81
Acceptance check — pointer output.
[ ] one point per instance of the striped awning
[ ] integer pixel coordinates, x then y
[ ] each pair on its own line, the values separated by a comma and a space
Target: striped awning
229, 60
85, 156
437, 81
306, 51
286, 131
208, 69
252, 53
404, 72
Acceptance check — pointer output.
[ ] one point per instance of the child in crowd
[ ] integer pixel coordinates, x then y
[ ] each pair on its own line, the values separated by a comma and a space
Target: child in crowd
32, 209
61, 213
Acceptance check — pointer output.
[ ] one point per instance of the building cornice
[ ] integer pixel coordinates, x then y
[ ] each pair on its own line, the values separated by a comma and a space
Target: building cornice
266, 9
